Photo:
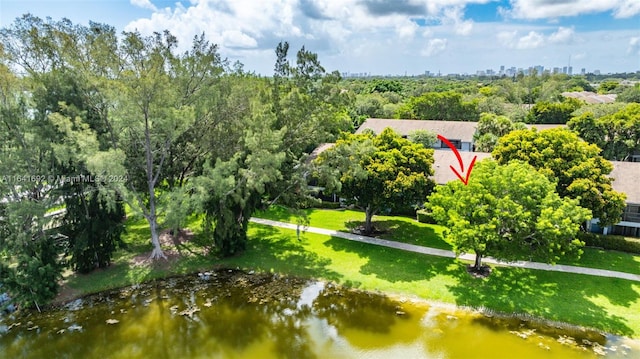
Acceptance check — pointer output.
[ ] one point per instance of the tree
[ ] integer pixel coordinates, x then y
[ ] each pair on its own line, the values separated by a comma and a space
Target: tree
576, 166
551, 112
425, 137
617, 134
63, 63
629, 94
29, 251
377, 172
490, 128
509, 212
439, 106
607, 86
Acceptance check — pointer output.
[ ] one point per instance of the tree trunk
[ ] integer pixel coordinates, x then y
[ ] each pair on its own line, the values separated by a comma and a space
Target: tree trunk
478, 265
368, 224
157, 252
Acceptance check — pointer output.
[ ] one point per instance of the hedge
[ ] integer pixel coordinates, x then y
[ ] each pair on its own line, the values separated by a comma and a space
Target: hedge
424, 216
327, 205
613, 242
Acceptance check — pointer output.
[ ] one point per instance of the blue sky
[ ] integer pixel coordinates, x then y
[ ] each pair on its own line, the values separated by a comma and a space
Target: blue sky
382, 36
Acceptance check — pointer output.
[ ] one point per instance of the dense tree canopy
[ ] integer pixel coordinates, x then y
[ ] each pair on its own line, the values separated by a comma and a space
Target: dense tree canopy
448, 105
617, 134
378, 172
490, 128
575, 165
510, 212
553, 112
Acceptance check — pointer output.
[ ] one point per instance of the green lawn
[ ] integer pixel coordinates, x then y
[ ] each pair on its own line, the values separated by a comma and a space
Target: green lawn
608, 304
408, 230
395, 228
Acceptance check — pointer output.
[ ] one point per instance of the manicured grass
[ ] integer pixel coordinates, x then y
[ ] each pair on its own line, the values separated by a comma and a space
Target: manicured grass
395, 228
612, 305
137, 243
609, 304
408, 230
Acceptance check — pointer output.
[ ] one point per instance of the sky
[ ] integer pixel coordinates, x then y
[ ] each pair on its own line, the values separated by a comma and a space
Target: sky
381, 37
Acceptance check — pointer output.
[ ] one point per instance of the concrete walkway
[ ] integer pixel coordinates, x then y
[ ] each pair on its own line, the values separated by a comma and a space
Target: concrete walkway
450, 254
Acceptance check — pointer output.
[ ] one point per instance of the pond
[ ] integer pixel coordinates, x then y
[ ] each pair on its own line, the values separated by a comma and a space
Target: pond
232, 314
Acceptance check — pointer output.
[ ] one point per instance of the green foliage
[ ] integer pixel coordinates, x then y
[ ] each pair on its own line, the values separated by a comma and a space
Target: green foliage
576, 166
381, 85
425, 137
611, 242
618, 134
629, 94
548, 112
439, 106
94, 228
607, 86
378, 172
425, 216
490, 128
231, 190
508, 212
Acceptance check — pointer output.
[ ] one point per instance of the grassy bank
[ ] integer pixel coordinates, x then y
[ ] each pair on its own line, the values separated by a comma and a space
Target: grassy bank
608, 304
408, 230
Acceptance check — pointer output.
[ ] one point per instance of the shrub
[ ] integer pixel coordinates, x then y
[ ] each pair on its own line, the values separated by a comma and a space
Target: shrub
612, 242
424, 216
327, 205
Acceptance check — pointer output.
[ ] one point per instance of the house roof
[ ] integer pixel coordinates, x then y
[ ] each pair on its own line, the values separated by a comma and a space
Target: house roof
591, 97
458, 130
444, 158
626, 176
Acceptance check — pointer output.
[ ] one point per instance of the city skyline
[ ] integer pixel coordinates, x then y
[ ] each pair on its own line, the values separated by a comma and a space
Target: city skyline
381, 36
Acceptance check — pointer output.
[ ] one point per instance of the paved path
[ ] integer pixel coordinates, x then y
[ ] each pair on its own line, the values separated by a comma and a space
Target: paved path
451, 254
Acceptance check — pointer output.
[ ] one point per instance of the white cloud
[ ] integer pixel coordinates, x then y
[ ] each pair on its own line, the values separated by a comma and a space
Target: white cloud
628, 8
434, 47
380, 35
145, 4
540, 9
634, 46
535, 39
564, 35
455, 17
530, 41
407, 29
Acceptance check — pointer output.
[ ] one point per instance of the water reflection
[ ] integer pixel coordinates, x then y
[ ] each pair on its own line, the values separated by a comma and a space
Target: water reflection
230, 314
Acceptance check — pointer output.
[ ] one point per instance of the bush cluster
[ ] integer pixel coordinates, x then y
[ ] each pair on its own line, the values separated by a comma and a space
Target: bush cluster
613, 242
424, 216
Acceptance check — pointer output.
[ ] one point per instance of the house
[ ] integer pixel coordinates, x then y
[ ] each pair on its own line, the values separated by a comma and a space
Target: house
459, 133
442, 159
591, 97
625, 179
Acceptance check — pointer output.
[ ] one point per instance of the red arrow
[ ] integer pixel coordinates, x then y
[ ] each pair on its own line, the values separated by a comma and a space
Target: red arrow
464, 180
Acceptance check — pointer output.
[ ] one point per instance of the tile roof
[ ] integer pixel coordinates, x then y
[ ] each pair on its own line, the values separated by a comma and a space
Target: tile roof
626, 177
459, 130
591, 97
444, 158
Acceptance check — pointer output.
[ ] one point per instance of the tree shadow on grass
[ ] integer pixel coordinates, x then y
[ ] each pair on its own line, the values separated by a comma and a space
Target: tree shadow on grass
556, 296
270, 249
393, 265
405, 232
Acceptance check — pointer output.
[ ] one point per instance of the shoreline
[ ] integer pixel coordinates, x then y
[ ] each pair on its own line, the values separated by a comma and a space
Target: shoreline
534, 321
